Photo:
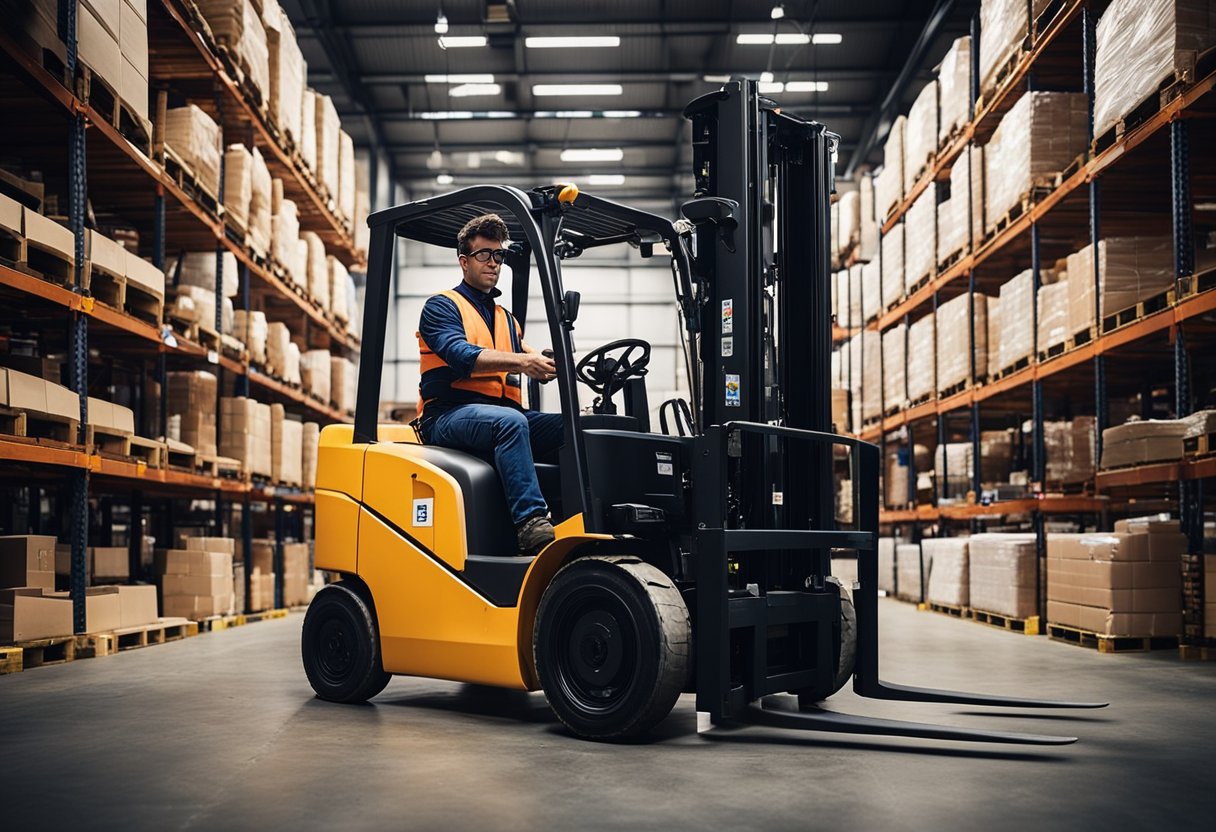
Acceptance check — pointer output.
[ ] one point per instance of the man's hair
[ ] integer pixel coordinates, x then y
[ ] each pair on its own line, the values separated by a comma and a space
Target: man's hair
489, 226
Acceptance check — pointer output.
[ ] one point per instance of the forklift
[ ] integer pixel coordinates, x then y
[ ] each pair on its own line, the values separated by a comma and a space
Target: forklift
696, 558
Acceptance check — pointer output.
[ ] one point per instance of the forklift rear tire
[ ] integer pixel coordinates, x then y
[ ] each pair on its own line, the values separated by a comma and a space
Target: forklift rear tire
341, 648
811, 697
612, 645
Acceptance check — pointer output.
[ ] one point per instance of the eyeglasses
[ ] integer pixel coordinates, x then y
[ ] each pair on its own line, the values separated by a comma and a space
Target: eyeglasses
485, 255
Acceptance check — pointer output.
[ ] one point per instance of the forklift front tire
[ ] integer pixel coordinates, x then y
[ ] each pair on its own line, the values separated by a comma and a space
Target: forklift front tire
612, 645
811, 697
341, 648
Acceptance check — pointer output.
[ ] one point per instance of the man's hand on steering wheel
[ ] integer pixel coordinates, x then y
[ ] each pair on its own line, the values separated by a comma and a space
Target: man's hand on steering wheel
538, 366
606, 372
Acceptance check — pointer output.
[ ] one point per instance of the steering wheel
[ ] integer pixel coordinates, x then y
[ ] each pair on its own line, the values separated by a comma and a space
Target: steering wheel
606, 373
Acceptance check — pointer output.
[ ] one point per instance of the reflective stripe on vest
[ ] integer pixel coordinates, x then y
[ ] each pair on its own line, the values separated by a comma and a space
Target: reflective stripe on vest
494, 385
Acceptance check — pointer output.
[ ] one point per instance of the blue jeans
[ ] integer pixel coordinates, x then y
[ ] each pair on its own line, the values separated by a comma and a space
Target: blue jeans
512, 437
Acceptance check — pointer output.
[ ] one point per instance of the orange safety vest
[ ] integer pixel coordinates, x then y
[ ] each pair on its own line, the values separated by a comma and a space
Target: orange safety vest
493, 385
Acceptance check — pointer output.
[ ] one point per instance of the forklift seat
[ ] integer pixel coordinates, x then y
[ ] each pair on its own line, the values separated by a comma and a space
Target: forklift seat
609, 421
488, 524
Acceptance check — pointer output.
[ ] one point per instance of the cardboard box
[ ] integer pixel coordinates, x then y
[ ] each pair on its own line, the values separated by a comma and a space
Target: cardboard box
102, 609
22, 391
1150, 440
10, 216
31, 613
192, 396
137, 605
133, 40
110, 563
211, 585
195, 138
48, 233
1105, 622
60, 401
1156, 547
1122, 600
1111, 574
96, 45
1002, 574
209, 544
947, 564
27, 560
145, 275
192, 562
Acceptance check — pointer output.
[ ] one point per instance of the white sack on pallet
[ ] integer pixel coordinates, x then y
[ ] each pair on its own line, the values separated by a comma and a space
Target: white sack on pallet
871, 388
344, 383
195, 138
250, 328
889, 184
311, 441
893, 265
314, 373
317, 269
308, 129
886, 564
920, 138
855, 295
964, 205
1141, 44
1017, 319
329, 152
894, 366
1038, 138
908, 572
840, 280
849, 208
287, 72
198, 268
345, 195
260, 196
339, 296
238, 183
922, 336
834, 235
237, 25
871, 290
284, 232
1130, 269
853, 360
954, 88
920, 240
1004, 25
954, 340
1002, 574
868, 230
948, 581
995, 322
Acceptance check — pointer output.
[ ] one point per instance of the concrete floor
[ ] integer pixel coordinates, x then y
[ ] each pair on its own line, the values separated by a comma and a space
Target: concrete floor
222, 732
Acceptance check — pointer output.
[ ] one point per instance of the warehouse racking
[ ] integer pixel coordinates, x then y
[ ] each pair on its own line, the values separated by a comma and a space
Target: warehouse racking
112, 164
1128, 179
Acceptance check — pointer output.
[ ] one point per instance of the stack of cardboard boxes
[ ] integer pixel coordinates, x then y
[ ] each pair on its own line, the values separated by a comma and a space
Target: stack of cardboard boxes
192, 399
248, 434
197, 580
286, 448
1002, 574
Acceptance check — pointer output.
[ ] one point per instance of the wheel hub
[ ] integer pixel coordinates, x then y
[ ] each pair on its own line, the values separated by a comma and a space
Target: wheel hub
335, 650
595, 648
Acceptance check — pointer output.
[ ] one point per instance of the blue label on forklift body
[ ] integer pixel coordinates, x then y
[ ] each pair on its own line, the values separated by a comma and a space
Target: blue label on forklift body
732, 390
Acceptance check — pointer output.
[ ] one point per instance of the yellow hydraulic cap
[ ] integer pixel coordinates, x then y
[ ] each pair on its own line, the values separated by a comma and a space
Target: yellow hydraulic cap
568, 193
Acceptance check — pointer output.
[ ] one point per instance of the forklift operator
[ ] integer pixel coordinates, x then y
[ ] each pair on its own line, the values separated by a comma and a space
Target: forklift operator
470, 397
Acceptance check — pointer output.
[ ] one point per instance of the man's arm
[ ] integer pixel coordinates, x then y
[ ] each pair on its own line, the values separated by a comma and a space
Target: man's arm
532, 364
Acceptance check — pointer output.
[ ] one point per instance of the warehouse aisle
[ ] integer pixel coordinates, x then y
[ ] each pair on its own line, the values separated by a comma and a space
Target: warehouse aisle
222, 732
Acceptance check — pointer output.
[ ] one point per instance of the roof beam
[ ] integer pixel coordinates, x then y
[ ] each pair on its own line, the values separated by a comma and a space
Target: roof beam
649, 27
627, 76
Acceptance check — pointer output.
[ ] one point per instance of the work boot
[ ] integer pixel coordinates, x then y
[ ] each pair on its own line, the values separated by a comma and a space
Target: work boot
534, 534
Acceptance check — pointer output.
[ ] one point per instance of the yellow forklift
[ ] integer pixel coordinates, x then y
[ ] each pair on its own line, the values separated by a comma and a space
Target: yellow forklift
696, 558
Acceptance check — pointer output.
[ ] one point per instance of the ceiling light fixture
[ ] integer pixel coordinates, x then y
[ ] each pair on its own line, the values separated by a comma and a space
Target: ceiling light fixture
826, 38
770, 87
441, 23
445, 115
580, 41
577, 89
469, 90
462, 41
783, 39
622, 113
766, 77
592, 154
715, 79
444, 179
778, 12
806, 86
459, 79
606, 179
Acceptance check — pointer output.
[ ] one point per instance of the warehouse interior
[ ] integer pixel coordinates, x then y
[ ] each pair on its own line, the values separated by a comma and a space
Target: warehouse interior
924, 331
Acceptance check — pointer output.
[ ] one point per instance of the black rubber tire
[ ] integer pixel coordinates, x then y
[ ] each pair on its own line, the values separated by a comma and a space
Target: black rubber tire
845, 661
612, 645
340, 647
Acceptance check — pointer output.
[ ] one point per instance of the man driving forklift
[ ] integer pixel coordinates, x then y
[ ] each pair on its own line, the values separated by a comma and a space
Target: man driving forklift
470, 396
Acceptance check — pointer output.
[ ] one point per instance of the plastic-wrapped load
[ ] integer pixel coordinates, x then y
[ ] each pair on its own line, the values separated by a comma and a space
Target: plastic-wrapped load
339, 294
1039, 137
1070, 446
251, 329
840, 406
855, 295
287, 72
922, 337
954, 89
953, 215
1053, 314
312, 439
871, 387
954, 340
1130, 269
308, 129
195, 138
1002, 574
237, 25
994, 335
840, 280
284, 232
1142, 43
871, 290
868, 231
920, 136
328, 130
1017, 319
238, 184
345, 384
834, 235
952, 469
315, 374
286, 453
894, 372
908, 572
260, 199
886, 564
920, 238
1004, 24
948, 581
317, 270
346, 176
848, 207
895, 478
889, 184
198, 269
291, 364
278, 340
893, 265
854, 359
1142, 441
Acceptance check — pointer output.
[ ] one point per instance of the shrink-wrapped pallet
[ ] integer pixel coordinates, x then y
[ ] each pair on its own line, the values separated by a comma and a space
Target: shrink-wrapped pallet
237, 25
1002, 574
312, 439
1130, 269
344, 383
1141, 44
363, 200
291, 364
286, 447
868, 229
893, 265
1004, 25
894, 372
1070, 446
948, 581
250, 328
920, 239
1142, 441
196, 305
920, 136
996, 457
278, 339
886, 564
261, 194
314, 373
889, 184
287, 72
995, 322
317, 270
922, 337
908, 585
346, 176
895, 479
952, 469
840, 297
1053, 314
1038, 138
1017, 319
198, 269
853, 353
340, 283
954, 89
871, 290
329, 152
247, 434
871, 387
308, 129
834, 235
840, 407
238, 184
195, 138
954, 340
855, 295
849, 208
284, 233
959, 218
191, 396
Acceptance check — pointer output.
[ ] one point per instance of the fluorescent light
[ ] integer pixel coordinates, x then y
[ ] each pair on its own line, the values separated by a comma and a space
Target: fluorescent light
460, 79
441, 24
563, 114
783, 39
622, 113
468, 90
826, 37
766, 77
576, 89
462, 41
574, 42
592, 154
806, 86
770, 87
446, 115
778, 12
715, 79
444, 179
606, 179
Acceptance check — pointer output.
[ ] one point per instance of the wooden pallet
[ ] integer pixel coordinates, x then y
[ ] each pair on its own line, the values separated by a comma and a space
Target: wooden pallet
109, 106
1197, 652
44, 651
1023, 206
179, 455
41, 261
1029, 626
1110, 644
1021, 364
947, 262
148, 451
1197, 283
232, 347
99, 439
1199, 446
216, 623
38, 428
105, 285
1057, 488
1053, 351
143, 304
917, 402
1142, 309
1046, 17
185, 178
957, 387
1080, 339
218, 466
164, 630
1002, 74
944, 609
918, 284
